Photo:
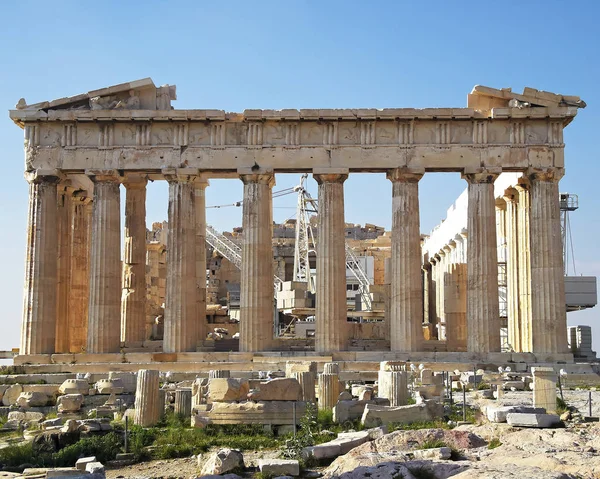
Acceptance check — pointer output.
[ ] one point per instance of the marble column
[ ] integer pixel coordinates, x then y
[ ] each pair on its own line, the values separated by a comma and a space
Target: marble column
441, 295
38, 330
256, 282
483, 316
332, 330
524, 262
406, 315
104, 309
200, 198
181, 321
133, 300
512, 270
548, 310
63, 251
79, 279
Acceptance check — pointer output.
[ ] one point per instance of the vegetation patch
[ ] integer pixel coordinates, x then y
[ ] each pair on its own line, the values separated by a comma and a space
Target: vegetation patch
494, 443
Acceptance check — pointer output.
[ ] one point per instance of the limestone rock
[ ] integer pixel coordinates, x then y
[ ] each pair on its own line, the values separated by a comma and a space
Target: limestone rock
532, 420
341, 445
481, 471
498, 413
377, 415
110, 386
28, 416
81, 463
219, 476
74, 386
279, 467
348, 410
228, 389
223, 461
32, 399
345, 396
440, 453
11, 394
69, 402
263, 412
70, 426
281, 389
128, 380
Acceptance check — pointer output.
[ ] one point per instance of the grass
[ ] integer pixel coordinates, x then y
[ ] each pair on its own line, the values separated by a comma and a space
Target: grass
494, 443
436, 424
561, 406
432, 444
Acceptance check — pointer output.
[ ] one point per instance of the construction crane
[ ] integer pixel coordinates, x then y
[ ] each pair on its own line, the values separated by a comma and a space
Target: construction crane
305, 238
568, 202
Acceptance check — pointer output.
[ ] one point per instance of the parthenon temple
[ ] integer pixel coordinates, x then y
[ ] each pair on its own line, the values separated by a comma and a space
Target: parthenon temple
86, 296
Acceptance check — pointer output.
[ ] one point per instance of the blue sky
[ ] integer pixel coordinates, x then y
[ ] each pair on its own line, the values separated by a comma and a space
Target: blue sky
235, 55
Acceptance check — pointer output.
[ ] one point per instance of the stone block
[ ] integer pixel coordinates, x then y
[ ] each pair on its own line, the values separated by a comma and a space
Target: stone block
433, 453
498, 413
268, 412
84, 461
69, 403
348, 410
341, 445
95, 468
227, 389
532, 420
221, 462
32, 399
281, 389
374, 415
28, 416
74, 386
279, 467
127, 378
110, 386
11, 394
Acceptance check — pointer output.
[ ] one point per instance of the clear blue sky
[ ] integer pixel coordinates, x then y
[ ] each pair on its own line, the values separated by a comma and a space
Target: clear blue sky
233, 55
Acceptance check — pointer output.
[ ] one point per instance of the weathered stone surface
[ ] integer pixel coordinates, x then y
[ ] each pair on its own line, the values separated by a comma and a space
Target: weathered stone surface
110, 386
228, 389
279, 467
127, 379
149, 405
341, 445
183, 402
329, 390
223, 461
499, 413
439, 453
74, 386
83, 462
345, 396
374, 416
11, 394
281, 389
348, 410
28, 416
307, 381
69, 402
268, 412
532, 420
32, 399
292, 367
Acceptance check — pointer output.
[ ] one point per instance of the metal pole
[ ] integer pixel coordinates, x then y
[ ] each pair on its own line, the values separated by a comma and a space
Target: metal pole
126, 434
474, 378
590, 402
451, 400
294, 416
464, 403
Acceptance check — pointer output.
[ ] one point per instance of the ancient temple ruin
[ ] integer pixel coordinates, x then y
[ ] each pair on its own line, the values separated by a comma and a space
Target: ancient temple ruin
79, 150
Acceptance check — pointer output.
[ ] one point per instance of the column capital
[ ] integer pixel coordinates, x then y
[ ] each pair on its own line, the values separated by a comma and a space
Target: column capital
500, 203
405, 175
201, 182
180, 175
481, 175
548, 175
321, 178
108, 176
135, 181
52, 177
511, 195
260, 178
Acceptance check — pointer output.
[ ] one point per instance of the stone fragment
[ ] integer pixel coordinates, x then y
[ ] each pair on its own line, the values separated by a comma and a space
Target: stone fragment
52, 423
32, 399
544, 388
329, 389
84, 461
344, 396
183, 402
128, 380
279, 467
281, 389
200, 421
110, 386
433, 453
227, 389
377, 415
74, 386
307, 381
71, 425
348, 411
532, 420
393, 385
365, 395
341, 445
28, 416
276, 413
218, 373
513, 385
498, 413
69, 402
221, 462
95, 468
11, 394
292, 367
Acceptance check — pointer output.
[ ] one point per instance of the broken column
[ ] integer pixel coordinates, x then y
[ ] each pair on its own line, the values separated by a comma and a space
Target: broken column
256, 281
406, 315
544, 388
307, 380
219, 373
392, 382
183, 402
133, 301
147, 398
104, 310
483, 311
548, 311
329, 386
332, 331
181, 322
38, 331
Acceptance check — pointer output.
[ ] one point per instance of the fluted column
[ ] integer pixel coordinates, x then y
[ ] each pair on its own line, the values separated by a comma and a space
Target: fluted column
63, 252
483, 316
133, 300
406, 315
79, 279
181, 321
38, 330
332, 331
148, 405
200, 192
512, 270
256, 282
524, 263
104, 310
548, 310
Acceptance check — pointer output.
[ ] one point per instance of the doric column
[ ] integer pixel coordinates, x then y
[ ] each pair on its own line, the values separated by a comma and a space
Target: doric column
256, 282
483, 316
433, 306
406, 315
104, 310
548, 310
181, 321
524, 262
133, 300
63, 252
441, 295
512, 271
200, 192
38, 330
79, 282
332, 331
